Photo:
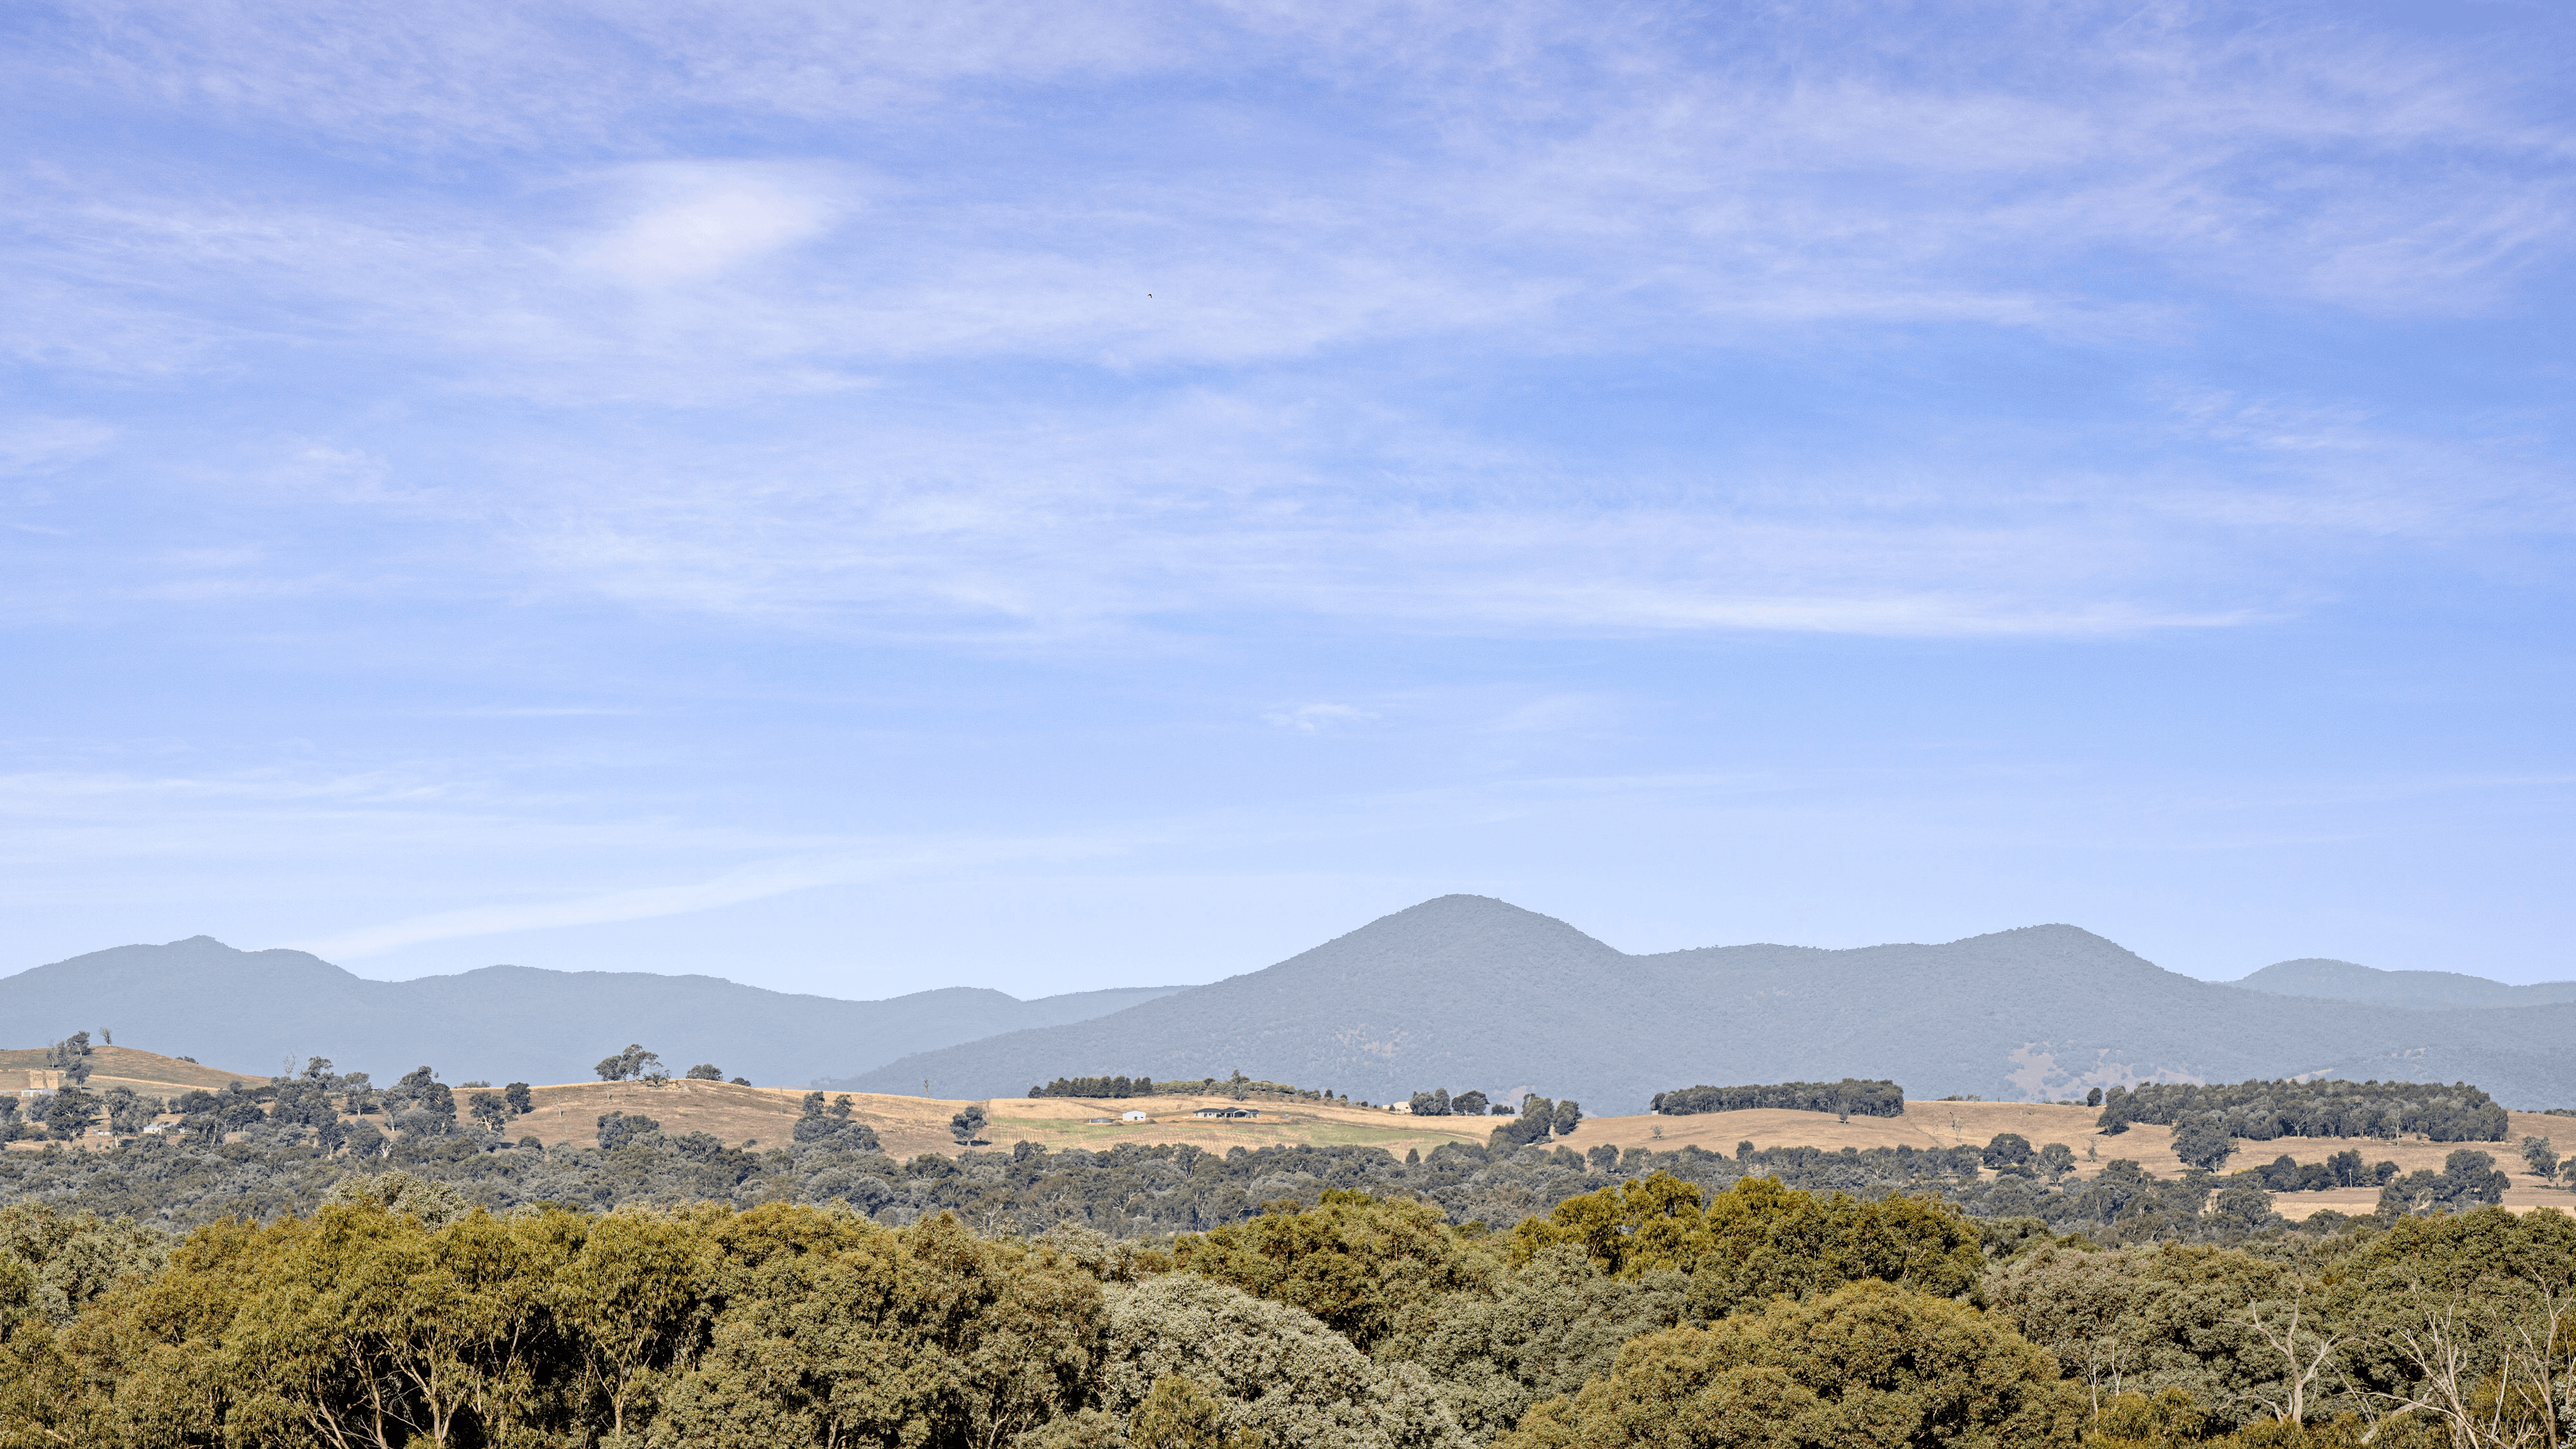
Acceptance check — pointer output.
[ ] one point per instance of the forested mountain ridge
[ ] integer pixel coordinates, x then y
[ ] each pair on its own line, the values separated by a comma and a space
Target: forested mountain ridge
254, 1009
2319, 976
1468, 992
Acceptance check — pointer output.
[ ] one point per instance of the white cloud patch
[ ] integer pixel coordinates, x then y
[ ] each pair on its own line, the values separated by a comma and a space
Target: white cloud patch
693, 221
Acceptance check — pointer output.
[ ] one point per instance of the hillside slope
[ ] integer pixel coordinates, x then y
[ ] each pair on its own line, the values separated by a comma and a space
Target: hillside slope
1465, 992
257, 1009
2344, 981
116, 1066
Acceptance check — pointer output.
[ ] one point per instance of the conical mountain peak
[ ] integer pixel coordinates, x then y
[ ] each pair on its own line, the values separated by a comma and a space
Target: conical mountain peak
1466, 992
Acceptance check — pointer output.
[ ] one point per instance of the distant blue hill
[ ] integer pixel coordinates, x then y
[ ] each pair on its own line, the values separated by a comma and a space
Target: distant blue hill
1466, 992
251, 1010
2319, 976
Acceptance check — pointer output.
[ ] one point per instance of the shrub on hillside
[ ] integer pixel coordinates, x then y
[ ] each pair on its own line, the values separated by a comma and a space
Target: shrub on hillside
617, 1129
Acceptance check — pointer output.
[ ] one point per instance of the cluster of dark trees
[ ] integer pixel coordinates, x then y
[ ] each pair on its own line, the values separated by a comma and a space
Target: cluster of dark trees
634, 1064
2468, 1179
2263, 1111
1096, 1087
831, 1126
497, 1110
1645, 1308
1539, 1119
1536, 1119
317, 1099
2344, 1169
73, 1109
616, 1129
1850, 1097
1438, 1103
70, 1056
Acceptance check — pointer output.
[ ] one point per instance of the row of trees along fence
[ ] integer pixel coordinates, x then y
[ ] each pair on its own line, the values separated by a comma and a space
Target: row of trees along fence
1237, 1086
2262, 1111
1851, 1096
1096, 1087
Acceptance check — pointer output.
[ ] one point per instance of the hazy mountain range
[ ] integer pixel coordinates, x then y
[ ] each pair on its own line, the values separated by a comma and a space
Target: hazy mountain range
251, 1010
1460, 992
2318, 976
1465, 992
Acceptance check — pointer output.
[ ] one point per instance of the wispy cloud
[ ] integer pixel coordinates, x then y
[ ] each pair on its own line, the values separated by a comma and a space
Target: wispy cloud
754, 882
397, 348
1316, 718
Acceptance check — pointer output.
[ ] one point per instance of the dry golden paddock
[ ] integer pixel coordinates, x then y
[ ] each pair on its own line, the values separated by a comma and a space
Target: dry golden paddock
909, 1125
570, 1113
115, 1066
1973, 1124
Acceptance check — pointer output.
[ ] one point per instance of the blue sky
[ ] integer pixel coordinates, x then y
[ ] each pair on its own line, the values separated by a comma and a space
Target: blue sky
862, 498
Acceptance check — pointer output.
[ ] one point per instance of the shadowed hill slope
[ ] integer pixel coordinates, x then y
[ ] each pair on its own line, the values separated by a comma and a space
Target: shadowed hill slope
2318, 976
1466, 992
252, 1010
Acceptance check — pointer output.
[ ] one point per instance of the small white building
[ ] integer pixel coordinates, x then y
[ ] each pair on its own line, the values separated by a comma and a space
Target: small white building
1134, 1117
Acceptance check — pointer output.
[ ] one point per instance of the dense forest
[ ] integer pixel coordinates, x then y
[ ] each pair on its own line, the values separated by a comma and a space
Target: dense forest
2263, 1111
1645, 1311
1849, 1097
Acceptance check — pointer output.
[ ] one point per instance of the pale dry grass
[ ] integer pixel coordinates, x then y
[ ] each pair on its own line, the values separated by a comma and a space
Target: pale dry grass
1973, 1124
115, 1066
1058, 1122
908, 1126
